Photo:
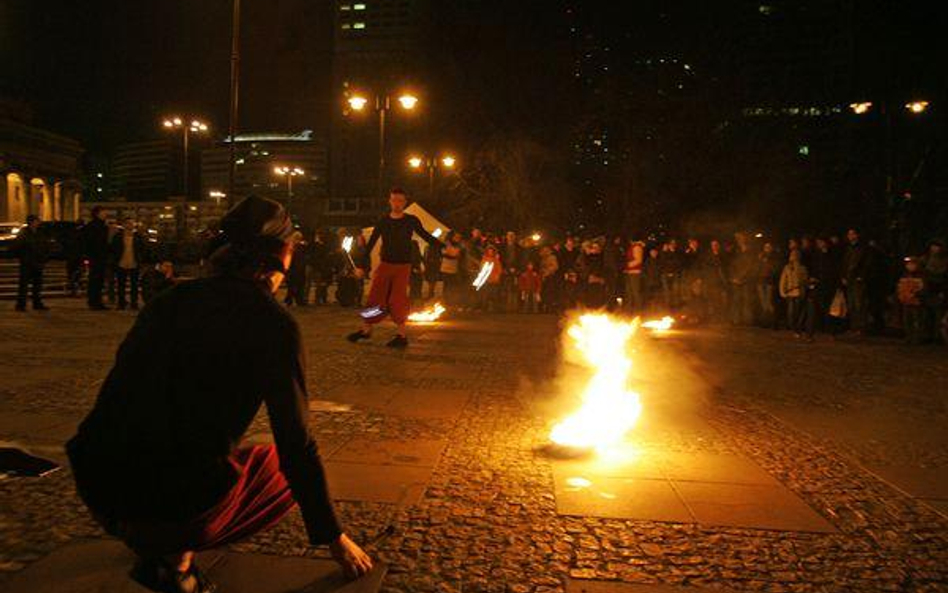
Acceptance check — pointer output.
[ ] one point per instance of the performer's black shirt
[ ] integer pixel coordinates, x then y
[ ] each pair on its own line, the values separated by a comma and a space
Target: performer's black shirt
396, 234
187, 382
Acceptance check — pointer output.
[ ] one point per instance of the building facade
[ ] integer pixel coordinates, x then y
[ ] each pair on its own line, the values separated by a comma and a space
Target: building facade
378, 51
256, 156
39, 170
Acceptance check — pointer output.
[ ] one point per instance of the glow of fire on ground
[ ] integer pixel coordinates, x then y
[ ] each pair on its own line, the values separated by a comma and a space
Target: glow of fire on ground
663, 324
609, 409
483, 275
430, 314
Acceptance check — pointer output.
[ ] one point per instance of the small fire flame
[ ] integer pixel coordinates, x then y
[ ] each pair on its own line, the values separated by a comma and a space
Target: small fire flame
432, 313
347, 244
663, 324
609, 408
483, 275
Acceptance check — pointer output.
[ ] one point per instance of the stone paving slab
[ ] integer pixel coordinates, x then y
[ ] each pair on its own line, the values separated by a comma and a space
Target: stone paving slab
726, 468
756, 507
376, 482
922, 482
102, 566
418, 452
619, 498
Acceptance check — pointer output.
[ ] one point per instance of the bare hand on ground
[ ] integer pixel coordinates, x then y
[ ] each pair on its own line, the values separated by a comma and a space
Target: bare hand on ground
351, 558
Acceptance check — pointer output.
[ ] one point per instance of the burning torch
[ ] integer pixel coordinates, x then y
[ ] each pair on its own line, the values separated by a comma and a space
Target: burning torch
483, 275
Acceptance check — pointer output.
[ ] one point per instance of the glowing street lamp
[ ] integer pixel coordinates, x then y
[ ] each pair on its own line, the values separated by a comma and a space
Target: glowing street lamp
917, 107
408, 102
861, 107
358, 102
289, 173
195, 126
417, 163
216, 195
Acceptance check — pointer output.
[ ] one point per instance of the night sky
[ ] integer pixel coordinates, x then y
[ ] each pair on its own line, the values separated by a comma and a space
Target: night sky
105, 71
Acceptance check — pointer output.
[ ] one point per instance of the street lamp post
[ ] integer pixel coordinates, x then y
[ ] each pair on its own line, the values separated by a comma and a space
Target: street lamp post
289, 173
383, 104
447, 161
195, 126
914, 108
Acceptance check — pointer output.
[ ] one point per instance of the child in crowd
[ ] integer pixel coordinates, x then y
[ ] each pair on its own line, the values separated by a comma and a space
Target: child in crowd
910, 289
529, 284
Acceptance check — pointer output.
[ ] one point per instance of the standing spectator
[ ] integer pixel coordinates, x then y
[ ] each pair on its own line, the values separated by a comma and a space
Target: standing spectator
741, 273
72, 251
910, 291
671, 265
635, 278
417, 278
548, 279
432, 271
452, 279
128, 250
490, 290
613, 260
32, 251
793, 283
570, 288
853, 277
714, 272
824, 281
95, 242
653, 278
530, 287
691, 281
592, 275
768, 270
934, 266
318, 269
512, 256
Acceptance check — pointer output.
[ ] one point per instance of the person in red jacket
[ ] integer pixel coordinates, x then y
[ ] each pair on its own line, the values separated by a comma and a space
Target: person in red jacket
530, 286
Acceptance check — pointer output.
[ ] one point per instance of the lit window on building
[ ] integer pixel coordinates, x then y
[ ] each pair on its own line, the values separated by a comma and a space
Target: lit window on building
358, 7
804, 150
346, 26
358, 26
345, 7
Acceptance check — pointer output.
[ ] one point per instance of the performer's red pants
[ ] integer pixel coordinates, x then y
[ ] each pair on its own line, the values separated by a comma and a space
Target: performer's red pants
389, 292
260, 498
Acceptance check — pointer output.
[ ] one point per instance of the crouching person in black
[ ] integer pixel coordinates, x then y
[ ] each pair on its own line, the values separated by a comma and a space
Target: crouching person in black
157, 459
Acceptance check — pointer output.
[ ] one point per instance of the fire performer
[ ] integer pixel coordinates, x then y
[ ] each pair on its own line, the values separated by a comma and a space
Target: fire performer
388, 294
157, 459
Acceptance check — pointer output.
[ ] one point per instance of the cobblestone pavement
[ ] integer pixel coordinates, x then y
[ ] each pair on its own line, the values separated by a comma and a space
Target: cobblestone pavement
488, 520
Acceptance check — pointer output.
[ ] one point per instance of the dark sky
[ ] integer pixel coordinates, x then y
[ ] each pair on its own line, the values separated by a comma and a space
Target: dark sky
106, 71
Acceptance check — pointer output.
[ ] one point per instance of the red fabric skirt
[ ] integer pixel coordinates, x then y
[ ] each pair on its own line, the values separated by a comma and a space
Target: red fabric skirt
260, 499
389, 292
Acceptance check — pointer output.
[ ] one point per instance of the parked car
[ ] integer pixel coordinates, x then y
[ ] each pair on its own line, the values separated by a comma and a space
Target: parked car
8, 234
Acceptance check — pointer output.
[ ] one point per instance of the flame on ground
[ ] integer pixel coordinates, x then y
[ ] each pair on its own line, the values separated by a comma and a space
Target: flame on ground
609, 409
663, 324
432, 313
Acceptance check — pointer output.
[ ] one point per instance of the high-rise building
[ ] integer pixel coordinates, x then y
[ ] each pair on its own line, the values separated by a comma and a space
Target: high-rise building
256, 157
150, 171
378, 51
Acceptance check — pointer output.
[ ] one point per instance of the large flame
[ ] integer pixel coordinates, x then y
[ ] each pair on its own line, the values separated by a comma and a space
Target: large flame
663, 324
432, 313
609, 408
